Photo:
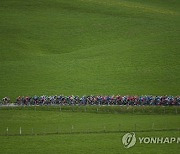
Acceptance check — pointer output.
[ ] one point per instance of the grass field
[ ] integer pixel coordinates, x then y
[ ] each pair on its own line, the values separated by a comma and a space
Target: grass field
97, 133
89, 47
84, 47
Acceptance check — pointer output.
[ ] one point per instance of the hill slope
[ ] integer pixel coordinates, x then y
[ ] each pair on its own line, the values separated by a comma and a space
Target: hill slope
89, 47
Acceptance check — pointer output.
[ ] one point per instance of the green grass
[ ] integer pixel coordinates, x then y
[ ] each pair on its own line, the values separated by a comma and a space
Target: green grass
146, 110
44, 122
89, 47
99, 47
90, 144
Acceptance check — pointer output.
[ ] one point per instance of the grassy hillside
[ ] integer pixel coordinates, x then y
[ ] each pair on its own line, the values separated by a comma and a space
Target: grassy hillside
89, 47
